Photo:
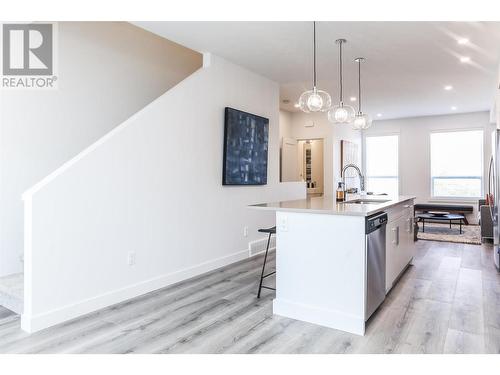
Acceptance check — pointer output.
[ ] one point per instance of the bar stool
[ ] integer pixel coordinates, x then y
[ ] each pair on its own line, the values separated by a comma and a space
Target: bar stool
271, 231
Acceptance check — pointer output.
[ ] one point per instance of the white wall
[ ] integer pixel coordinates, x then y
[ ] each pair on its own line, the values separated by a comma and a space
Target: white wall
107, 72
153, 187
285, 120
285, 131
332, 135
414, 149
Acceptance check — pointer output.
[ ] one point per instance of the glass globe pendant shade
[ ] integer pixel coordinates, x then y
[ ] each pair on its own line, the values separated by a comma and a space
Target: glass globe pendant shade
362, 121
341, 114
315, 101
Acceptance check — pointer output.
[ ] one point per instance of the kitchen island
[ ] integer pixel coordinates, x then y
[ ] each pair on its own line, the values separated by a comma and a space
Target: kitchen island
322, 259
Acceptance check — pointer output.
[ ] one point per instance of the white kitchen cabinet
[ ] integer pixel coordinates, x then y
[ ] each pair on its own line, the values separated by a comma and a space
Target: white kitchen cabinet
399, 242
409, 242
391, 253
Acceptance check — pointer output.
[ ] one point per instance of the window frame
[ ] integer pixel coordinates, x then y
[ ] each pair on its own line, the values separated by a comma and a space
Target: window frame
382, 134
431, 177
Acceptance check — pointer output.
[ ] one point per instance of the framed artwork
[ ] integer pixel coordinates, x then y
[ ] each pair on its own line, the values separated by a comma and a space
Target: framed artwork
349, 154
246, 142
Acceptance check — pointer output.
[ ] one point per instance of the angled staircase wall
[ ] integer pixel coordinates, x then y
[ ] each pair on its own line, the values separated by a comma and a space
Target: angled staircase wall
106, 72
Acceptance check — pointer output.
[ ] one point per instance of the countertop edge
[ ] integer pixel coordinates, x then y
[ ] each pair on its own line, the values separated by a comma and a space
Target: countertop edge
382, 207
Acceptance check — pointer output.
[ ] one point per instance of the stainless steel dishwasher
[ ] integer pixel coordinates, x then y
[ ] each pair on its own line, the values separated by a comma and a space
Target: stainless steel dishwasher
375, 262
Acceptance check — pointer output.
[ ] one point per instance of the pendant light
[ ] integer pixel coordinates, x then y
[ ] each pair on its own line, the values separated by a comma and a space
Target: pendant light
314, 100
341, 113
361, 120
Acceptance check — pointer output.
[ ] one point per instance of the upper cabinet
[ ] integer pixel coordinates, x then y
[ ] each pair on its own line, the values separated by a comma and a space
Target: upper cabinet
497, 101
495, 110
498, 98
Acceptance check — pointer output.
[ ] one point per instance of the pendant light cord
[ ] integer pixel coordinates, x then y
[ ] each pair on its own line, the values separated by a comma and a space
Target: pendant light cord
314, 54
359, 86
341, 88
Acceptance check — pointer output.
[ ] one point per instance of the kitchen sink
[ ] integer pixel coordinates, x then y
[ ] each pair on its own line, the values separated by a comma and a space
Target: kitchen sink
367, 201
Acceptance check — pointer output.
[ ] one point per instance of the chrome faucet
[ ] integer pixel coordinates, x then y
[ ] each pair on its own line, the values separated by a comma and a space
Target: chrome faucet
360, 175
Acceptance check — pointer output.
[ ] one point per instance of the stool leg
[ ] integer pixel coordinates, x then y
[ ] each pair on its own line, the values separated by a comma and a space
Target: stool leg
264, 265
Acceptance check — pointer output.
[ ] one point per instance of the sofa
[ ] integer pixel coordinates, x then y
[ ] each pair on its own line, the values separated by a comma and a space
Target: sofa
485, 220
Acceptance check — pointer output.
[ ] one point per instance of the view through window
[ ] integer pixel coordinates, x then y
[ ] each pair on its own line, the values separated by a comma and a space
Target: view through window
382, 164
457, 164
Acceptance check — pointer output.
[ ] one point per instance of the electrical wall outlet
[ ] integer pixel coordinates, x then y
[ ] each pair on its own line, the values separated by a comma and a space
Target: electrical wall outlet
245, 231
283, 223
131, 258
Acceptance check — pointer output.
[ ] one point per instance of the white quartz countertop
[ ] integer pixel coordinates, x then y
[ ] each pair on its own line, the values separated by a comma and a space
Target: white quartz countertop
328, 205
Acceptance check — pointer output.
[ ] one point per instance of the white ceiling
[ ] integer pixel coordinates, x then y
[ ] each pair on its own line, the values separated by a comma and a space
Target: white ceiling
408, 63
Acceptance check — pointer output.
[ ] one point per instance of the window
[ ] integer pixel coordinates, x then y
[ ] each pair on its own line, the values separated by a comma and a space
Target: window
382, 164
457, 164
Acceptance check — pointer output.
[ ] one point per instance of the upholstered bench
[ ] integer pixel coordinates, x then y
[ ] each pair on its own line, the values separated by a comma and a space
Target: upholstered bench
449, 208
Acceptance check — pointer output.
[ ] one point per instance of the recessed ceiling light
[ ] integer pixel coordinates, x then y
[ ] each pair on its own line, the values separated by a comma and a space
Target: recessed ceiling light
464, 59
453, 108
463, 41
379, 114
296, 105
353, 98
448, 87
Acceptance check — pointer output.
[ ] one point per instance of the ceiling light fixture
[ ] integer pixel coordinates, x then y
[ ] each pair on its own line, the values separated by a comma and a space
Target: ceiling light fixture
341, 113
379, 114
314, 100
453, 108
361, 120
465, 59
352, 98
463, 41
448, 87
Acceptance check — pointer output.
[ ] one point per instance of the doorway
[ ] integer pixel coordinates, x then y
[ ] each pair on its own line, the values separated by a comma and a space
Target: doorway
302, 160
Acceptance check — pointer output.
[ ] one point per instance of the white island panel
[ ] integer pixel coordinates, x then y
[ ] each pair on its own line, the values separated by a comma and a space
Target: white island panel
321, 269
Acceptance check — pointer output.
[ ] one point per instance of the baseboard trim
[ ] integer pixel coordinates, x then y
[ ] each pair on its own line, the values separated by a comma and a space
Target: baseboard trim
11, 303
327, 318
253, 254
33, 323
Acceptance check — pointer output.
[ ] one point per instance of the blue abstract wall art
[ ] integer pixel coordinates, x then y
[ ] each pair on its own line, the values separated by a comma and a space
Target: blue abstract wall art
246, 141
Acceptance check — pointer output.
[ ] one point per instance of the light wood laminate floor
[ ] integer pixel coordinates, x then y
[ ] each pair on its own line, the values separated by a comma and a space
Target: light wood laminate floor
448, 302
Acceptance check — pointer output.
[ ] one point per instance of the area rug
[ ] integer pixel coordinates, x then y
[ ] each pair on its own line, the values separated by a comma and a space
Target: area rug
471, 234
